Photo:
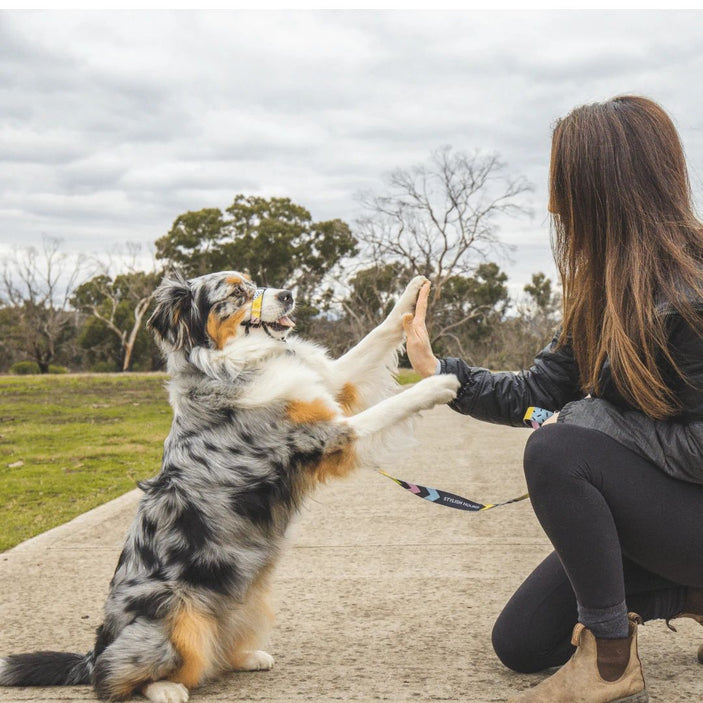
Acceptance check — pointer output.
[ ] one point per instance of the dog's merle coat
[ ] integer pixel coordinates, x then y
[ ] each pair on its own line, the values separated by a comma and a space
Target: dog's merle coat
258, 421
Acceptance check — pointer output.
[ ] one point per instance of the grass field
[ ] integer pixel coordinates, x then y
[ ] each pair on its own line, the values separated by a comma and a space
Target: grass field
69, 443
406, 376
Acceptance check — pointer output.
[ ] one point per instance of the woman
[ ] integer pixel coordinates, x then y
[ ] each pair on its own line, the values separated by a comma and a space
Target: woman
616, 480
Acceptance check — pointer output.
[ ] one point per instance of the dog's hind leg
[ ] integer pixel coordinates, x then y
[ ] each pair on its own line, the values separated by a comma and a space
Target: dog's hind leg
141, 654
194, 635
165, 692
252, 660
248, 627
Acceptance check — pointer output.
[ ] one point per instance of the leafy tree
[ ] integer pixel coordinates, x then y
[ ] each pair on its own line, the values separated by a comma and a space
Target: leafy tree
372, 292
470, 309
541, 294
274, 240
194, 243
117, 307
517, 339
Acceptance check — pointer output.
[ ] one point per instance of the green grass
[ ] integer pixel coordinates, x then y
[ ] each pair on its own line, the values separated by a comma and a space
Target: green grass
406, 376
70, 443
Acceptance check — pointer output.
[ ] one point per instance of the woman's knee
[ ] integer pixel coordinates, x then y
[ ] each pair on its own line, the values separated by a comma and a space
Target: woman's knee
513, 644
510, 648
552, 455
533, 632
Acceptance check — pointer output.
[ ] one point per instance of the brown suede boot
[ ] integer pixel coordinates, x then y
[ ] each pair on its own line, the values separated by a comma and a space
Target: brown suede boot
581, 679
693, 616
692, 608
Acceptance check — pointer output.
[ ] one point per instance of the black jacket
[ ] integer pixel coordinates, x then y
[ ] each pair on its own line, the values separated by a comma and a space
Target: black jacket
674, 445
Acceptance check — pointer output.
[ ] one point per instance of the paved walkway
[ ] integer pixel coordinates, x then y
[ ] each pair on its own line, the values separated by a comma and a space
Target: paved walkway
382, 596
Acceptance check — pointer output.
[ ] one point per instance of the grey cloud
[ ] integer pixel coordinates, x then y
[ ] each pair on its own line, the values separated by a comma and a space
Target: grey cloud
114, 123
39, 147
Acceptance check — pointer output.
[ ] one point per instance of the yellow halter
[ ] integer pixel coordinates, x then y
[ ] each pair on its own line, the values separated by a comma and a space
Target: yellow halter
256, 305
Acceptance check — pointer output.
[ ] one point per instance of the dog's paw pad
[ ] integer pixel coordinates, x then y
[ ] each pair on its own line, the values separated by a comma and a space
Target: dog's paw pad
166, 692
415, 284
406, 303
436, 390
450, 382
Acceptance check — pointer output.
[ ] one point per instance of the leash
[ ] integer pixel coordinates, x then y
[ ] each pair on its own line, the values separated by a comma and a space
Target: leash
534, 417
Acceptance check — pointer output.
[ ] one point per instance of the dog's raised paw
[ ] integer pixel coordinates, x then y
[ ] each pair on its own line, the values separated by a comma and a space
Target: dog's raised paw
406, 302
436, 390
256, 660
166, 692
450, 382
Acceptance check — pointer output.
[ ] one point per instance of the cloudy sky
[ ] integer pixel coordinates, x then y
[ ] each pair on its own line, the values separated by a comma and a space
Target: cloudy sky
114, 123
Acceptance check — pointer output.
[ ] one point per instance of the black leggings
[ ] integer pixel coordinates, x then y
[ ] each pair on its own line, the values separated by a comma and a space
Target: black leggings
622, 530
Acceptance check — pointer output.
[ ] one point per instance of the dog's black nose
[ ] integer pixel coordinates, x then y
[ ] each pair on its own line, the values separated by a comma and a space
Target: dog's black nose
286, 297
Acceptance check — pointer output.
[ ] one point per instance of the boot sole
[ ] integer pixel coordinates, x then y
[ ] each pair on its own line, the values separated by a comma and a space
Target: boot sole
641, 697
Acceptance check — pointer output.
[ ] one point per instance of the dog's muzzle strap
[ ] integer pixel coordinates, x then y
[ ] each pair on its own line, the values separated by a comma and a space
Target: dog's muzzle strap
257, 304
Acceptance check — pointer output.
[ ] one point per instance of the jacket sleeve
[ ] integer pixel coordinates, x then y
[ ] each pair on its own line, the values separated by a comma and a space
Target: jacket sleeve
550, 383
674, 445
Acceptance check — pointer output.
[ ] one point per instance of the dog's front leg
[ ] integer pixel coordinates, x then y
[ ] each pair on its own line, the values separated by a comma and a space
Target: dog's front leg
379, 347
429, 392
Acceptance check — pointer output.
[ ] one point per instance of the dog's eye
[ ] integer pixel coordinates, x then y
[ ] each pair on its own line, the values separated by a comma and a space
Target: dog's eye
247, 292
240, 291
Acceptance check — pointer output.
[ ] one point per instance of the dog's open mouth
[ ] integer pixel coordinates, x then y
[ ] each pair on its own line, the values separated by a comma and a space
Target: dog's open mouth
283, 323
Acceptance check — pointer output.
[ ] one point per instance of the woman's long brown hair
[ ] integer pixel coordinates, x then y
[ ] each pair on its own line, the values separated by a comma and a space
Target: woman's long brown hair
626, 241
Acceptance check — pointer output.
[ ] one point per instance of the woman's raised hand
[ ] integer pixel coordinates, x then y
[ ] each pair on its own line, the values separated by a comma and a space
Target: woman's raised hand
418, 345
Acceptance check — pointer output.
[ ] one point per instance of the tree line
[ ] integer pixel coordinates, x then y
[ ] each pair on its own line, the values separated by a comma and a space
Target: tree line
439, 219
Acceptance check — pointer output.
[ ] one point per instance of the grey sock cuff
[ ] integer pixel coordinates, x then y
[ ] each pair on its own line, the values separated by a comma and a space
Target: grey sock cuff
607, 623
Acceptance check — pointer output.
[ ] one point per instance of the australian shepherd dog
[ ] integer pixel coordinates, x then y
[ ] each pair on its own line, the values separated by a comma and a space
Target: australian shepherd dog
259, 419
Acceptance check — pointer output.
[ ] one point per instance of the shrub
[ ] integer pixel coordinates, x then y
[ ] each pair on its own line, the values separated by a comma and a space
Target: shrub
24, 368
104, 367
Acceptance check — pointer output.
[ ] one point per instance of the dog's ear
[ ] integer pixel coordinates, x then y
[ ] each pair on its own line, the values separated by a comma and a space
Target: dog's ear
173, 320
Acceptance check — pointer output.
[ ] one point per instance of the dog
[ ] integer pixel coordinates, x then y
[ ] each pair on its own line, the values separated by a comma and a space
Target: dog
259, 419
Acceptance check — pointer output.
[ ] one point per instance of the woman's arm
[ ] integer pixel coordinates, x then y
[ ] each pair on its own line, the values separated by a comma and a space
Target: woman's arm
503, 397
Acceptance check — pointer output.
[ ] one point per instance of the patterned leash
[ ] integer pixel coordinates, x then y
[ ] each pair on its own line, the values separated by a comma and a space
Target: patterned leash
534, 417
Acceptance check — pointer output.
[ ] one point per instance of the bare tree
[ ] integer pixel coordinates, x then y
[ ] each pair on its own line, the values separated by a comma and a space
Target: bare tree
38, 284
440, 219
366, 295
121, 301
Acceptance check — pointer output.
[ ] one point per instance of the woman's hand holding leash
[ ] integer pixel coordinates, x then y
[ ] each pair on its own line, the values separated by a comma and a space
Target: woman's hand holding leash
418, 346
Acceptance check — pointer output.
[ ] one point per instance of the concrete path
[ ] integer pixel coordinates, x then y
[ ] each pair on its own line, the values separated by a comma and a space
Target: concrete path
381, 597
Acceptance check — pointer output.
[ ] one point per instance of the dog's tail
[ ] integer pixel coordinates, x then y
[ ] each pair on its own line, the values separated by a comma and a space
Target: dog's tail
46, 669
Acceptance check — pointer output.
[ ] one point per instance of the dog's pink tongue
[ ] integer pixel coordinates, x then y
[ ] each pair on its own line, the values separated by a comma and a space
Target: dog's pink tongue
286, 322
